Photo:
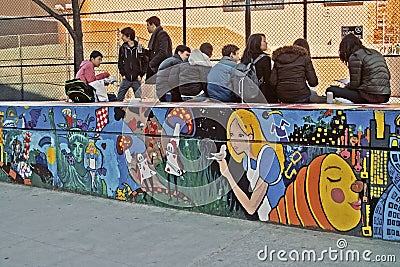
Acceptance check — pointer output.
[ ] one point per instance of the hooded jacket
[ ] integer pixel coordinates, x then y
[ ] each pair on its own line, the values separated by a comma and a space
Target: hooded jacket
86, 72
369, 72
292, 68
193, 75
129, 61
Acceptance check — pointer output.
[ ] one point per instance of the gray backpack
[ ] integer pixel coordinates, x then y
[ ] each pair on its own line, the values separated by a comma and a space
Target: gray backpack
248, 82
249, 70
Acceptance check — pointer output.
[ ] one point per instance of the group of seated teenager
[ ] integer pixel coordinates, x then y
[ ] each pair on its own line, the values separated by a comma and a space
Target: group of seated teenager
287, 76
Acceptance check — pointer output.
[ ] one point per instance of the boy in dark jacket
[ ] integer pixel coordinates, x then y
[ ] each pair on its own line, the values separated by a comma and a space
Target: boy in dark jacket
167, 81
130, 64
160, 46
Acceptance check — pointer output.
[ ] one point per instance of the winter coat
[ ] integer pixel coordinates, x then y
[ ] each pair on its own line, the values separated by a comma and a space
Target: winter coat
86, 72
292, 68
193, 75
130, 62
160, 48
369, 72
167, 78
221, 81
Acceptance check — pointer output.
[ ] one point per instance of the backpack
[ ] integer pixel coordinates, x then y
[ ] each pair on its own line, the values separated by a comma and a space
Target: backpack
249, 70
248, 84
79, 92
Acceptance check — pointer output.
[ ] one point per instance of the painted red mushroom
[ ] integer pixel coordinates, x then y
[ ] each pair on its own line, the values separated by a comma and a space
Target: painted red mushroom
184, 117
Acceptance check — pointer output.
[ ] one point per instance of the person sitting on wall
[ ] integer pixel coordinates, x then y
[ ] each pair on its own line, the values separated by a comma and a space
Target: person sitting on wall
86, 69
221, 78
293, 73
369, 73
193, 75
167, 81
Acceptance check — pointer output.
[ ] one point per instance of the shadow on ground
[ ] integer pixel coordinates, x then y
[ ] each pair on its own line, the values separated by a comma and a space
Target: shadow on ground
9, 93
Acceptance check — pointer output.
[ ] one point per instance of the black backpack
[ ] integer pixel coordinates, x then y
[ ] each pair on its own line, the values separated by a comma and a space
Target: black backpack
79, 92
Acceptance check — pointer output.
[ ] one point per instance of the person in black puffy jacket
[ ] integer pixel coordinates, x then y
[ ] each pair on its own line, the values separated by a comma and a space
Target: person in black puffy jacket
369, 73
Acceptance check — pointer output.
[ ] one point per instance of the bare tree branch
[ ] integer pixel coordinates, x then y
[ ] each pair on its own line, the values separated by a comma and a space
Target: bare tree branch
75, 31
80, 8
56, 16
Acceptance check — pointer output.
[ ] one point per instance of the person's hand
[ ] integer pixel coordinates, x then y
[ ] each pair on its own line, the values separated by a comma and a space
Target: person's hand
223, 167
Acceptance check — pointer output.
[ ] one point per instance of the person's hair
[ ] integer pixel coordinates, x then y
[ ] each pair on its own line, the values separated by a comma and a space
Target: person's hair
228, 49
182, 48
303, 43
129, 32
349, 44
154, 20
94, 148
253, 47
250, 124
206, 48
95, 54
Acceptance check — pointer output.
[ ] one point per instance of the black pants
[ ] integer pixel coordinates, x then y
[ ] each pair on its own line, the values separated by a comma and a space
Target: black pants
352, 95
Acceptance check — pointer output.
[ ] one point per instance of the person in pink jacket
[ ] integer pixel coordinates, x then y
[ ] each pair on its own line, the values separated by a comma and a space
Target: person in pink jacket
86, 69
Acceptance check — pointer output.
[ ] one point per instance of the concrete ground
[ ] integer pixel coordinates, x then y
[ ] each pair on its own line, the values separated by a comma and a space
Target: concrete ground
41, 227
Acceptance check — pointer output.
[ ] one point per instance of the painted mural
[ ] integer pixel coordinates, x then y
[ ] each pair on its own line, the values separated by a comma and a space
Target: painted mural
332, 169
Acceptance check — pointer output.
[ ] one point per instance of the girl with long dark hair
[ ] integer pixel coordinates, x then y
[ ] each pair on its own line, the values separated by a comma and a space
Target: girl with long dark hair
369, 73
256, 47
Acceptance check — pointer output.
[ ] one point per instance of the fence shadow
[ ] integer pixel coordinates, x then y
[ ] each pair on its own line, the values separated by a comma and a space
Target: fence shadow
9, 93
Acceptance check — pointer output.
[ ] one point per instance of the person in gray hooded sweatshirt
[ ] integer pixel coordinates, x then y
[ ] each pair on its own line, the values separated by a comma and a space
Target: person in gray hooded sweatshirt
193, 74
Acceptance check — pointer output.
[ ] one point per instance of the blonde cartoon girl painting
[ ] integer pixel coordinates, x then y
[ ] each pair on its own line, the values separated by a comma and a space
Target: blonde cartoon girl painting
261, 161
92, 156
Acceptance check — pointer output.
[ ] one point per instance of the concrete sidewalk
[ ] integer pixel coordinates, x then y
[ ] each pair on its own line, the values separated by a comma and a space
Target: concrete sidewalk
41, 227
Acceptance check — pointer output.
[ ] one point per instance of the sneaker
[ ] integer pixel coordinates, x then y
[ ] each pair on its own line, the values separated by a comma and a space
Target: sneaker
110, 80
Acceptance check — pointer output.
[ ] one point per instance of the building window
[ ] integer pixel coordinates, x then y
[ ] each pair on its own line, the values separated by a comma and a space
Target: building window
238, 5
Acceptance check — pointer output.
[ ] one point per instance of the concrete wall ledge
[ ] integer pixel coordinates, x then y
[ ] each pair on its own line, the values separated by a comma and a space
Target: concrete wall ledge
325, 166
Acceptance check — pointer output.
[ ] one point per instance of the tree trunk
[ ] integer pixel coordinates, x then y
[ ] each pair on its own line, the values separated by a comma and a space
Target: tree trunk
78, 40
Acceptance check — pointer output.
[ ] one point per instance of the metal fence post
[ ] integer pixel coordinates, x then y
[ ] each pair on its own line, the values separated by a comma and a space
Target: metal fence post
184, 22
21, 67
247, 19
305, 19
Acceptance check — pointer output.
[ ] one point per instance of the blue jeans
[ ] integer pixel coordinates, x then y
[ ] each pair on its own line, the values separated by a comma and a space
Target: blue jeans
124, 87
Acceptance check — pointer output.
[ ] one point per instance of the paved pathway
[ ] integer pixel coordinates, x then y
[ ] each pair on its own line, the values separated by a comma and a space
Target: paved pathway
41, 227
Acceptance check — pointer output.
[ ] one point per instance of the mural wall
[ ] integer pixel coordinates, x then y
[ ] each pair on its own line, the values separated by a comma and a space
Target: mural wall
310, 166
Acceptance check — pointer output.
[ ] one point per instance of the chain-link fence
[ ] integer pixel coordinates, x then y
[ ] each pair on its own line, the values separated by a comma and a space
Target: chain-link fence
36, 65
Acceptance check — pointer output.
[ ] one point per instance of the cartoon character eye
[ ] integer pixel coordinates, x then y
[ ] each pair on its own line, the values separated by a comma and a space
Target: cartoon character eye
241, 135
170, 148
334, 180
